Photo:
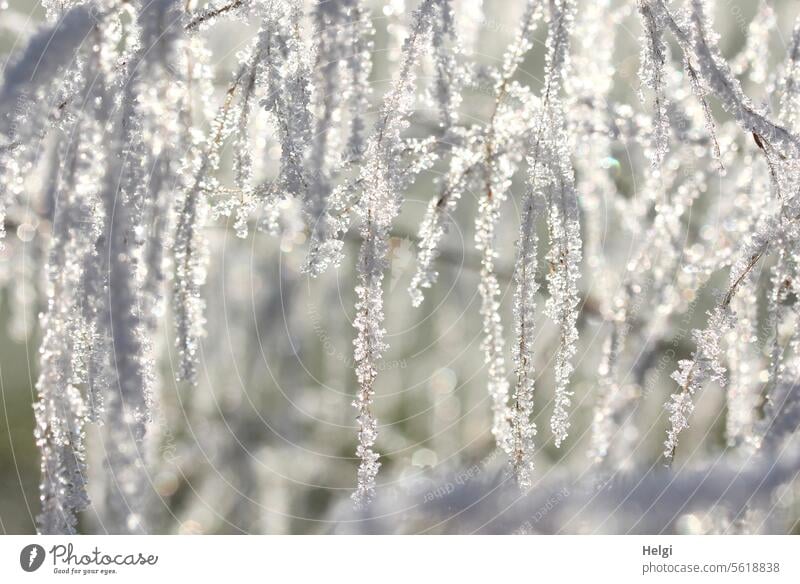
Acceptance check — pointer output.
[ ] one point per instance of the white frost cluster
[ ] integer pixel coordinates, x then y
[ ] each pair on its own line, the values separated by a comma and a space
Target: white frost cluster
121, 155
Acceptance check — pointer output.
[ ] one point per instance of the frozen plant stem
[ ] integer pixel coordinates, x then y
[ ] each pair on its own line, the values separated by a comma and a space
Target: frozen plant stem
382, 180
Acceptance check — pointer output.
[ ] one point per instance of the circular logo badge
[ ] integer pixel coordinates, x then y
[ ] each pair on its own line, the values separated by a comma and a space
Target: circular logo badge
31, 557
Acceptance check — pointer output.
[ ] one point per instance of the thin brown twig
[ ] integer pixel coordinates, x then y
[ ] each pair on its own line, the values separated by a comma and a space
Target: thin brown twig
211, 14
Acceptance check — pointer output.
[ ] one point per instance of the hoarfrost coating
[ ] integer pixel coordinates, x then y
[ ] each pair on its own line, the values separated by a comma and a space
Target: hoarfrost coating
601, 197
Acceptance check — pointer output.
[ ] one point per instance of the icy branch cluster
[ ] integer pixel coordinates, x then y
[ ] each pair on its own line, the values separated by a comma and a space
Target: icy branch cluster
142, 151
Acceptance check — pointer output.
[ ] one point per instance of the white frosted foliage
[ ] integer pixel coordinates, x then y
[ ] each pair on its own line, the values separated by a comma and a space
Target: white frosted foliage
206, 206
523, 428
382, 181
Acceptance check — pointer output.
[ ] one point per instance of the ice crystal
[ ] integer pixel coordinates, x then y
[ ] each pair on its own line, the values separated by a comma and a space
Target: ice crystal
706, 362
61, 411
498, 168
473, 154
341, 84
493, 344
382, 183
463, 163
717, 78
126, 159
651, 73
288, 92
213, 11
523, 428
557, 186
